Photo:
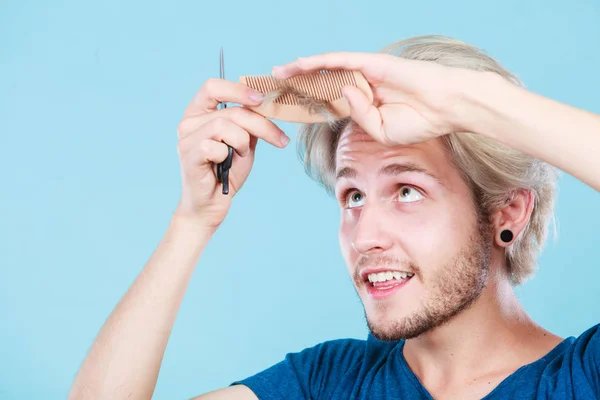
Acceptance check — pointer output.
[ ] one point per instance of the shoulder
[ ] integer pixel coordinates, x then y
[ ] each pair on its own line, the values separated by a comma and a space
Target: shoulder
574, 366
591, 335
576, 350
587, 345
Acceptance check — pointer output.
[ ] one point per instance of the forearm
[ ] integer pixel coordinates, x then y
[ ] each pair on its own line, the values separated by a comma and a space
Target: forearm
563, 136
124, 360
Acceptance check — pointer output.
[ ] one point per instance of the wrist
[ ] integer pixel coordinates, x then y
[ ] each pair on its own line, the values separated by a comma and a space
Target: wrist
479, 97
192, 224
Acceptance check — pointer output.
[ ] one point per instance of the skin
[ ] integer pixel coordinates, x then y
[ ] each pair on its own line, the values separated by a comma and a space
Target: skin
427, 211
414, 104
461, 283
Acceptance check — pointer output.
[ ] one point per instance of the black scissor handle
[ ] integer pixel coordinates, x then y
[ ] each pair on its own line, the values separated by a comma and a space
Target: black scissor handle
223, 170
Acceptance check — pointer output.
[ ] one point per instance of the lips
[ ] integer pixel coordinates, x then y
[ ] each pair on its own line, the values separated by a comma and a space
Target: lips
364, 274
381, 290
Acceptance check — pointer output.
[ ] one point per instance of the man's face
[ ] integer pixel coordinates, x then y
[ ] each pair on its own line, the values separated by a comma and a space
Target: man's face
406, 210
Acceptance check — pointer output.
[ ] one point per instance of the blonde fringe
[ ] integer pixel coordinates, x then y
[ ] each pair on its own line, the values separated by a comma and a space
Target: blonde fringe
492, 171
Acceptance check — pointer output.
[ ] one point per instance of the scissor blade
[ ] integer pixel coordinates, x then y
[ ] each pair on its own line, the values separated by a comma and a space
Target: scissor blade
222, 65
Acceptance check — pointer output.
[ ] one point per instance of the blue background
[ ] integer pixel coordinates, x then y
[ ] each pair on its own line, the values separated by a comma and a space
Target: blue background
90, 96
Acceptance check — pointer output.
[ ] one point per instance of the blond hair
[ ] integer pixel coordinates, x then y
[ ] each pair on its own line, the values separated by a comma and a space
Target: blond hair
493, 171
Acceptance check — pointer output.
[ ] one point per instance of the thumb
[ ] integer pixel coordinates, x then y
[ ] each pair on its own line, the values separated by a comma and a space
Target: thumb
363, 112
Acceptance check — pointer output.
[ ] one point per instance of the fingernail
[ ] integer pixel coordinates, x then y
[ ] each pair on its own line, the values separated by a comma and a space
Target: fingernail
284, 139
256, 97
346, 97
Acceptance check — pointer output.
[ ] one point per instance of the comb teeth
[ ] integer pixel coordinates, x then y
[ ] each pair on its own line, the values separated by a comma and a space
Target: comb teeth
323, 85
307, 98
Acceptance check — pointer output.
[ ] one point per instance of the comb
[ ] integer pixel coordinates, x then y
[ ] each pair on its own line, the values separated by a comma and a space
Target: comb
299, 98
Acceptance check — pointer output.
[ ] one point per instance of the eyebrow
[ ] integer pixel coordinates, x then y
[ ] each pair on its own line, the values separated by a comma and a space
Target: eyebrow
391, 170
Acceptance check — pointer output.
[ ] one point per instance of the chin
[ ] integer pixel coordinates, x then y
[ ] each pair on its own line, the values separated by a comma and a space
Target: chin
386, 329
391, 322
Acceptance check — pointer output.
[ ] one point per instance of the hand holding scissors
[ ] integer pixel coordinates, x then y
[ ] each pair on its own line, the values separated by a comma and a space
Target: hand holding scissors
211, 133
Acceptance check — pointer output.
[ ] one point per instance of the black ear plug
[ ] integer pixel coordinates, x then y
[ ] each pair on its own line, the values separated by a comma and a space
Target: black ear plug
506, 236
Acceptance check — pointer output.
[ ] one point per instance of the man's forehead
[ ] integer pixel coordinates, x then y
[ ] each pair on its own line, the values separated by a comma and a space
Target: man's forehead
355, 145
354, 141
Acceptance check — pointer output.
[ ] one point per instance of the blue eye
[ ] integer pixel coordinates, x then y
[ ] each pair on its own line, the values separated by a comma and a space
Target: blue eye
355, 199
408, 194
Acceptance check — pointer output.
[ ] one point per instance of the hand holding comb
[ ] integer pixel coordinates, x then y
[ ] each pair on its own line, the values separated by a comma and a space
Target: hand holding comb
308, 98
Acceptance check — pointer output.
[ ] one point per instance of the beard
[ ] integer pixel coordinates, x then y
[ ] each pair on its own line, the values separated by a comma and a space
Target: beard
458, 285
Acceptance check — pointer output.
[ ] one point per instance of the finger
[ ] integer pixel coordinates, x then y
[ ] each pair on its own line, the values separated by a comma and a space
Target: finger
215, 91
253, 143
364, 62
253, 123
226, 131
364, 113
207, 151
220, 131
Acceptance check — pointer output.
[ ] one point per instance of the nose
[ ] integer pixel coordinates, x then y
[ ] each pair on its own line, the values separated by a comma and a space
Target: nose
371, 234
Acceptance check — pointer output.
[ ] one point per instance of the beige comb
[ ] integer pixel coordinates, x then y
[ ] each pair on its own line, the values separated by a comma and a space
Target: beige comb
323, 88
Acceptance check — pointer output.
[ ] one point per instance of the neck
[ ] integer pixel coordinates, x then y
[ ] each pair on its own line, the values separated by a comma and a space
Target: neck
494, 334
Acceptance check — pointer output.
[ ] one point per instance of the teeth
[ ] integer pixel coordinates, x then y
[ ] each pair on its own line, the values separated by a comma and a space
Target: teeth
388, 275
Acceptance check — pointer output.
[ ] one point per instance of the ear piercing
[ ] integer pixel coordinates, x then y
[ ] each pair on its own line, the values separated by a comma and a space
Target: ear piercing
506, 236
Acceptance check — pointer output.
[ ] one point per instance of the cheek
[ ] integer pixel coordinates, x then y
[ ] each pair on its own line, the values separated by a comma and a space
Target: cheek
427, 234
432, 237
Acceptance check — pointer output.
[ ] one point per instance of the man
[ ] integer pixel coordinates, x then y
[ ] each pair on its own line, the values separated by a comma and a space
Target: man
446, 187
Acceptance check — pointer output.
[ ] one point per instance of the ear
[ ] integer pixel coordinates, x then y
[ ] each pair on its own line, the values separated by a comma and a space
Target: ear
513, 216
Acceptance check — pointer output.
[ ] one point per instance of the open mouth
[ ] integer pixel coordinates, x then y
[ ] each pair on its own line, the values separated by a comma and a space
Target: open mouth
383, 284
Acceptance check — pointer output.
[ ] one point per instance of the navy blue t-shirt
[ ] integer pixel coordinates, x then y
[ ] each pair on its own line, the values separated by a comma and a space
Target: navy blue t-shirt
372, 369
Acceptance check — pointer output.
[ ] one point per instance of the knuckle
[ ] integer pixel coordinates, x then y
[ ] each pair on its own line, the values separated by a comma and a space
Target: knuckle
211, 85
182, 128
246, 137
205, 148
183, 147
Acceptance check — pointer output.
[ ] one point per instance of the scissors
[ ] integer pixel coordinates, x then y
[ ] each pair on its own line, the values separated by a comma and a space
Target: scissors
223, 167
